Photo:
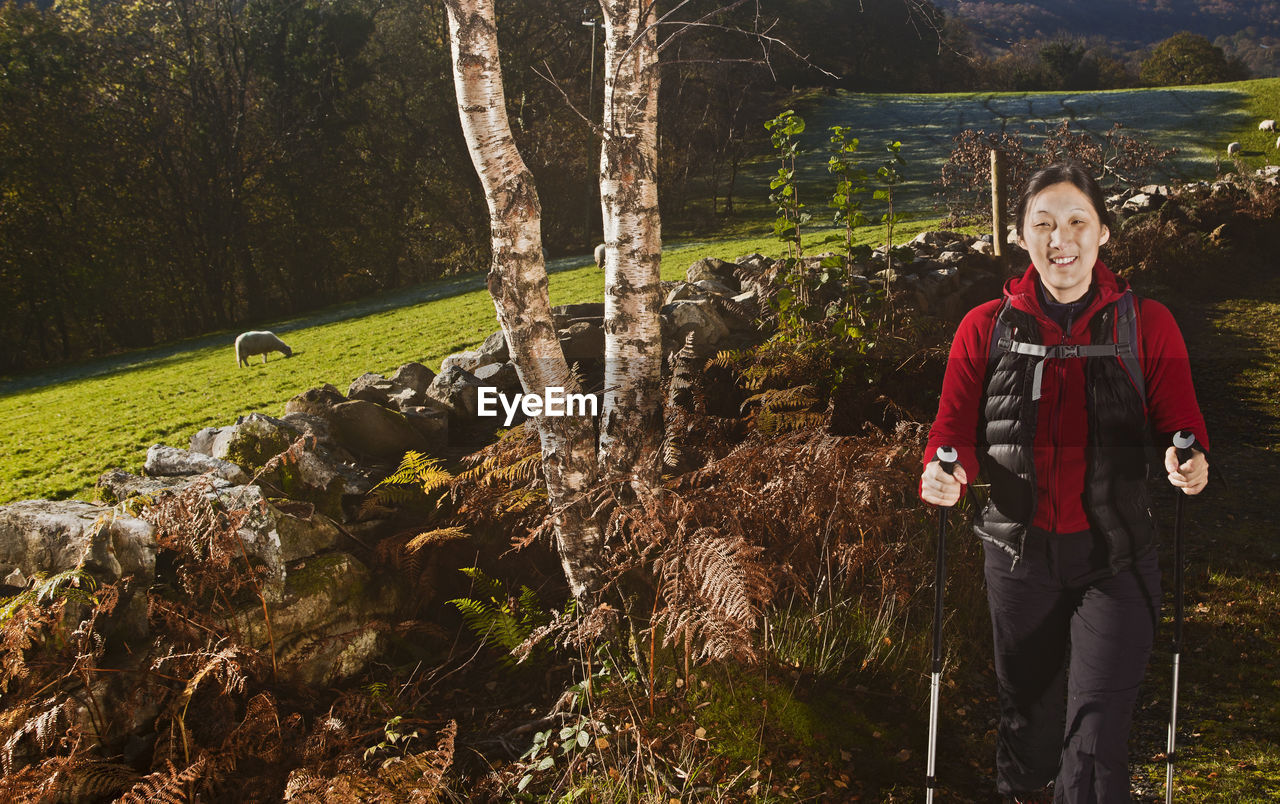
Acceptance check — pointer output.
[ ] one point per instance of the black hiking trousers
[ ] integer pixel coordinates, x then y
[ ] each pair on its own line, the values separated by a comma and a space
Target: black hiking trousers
1072, 642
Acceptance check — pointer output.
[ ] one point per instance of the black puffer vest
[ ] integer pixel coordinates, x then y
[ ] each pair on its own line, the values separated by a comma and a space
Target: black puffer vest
1116, 498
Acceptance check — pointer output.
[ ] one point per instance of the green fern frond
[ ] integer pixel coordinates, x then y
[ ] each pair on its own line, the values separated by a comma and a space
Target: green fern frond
476, 615
74, 585
416, 469
412, 482
495, 626
725, 358
482, 585
493, 617
529, 601
393, 495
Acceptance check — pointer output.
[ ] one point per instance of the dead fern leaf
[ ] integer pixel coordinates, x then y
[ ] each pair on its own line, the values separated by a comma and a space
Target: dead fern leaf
258, 734
518, 501
437, 536
169, 786
38, 720
522, 471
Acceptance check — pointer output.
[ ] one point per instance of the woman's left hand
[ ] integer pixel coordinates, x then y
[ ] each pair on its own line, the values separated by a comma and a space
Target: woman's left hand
1192, 476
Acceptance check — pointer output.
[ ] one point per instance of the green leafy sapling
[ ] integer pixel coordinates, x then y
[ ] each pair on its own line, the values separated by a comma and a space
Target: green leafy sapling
785, 130
886, 178
851, 182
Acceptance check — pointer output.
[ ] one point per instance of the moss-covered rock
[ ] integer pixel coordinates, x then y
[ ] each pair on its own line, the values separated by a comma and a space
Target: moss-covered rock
329, 622
256, 439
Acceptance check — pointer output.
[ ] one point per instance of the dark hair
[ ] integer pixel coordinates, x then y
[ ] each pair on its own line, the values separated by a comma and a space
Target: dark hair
1072, 173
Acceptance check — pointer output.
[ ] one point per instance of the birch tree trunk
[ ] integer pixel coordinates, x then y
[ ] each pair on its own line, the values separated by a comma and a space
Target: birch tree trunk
631, 417
518, 285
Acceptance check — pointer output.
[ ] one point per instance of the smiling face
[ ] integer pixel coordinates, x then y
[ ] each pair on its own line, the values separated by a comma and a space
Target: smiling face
1062, 232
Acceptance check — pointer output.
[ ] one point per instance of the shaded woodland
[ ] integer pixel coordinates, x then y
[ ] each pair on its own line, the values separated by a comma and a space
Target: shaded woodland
168, 170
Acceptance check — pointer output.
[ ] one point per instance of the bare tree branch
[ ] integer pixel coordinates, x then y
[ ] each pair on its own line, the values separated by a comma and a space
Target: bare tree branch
551, 79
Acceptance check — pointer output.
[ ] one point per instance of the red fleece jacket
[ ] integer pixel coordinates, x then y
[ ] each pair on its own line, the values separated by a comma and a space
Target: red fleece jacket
1062, 421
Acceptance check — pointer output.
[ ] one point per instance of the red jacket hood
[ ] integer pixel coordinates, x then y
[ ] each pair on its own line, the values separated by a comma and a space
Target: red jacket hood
1021, 290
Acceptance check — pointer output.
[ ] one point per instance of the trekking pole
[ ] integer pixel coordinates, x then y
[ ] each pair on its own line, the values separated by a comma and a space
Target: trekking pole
1183, 440
947, 457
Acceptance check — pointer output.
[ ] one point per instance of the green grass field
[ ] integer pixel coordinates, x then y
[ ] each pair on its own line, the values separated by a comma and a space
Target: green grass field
1199, 121
61, 429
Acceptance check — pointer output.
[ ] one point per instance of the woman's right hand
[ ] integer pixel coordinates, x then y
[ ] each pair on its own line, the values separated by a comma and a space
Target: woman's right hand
938, 487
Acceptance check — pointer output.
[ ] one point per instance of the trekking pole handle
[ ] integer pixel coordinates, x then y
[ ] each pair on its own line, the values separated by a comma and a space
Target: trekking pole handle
1183, 441
947, 457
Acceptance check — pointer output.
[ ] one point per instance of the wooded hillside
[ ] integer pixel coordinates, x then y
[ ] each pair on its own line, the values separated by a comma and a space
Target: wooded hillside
176, 169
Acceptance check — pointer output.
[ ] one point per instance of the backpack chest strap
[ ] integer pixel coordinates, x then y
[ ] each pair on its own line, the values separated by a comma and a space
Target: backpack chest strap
1062, 351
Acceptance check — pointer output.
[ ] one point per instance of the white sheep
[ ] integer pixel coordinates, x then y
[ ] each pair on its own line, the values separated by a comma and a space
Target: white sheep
1233, 148
249, 344
1277, 143
1267, 125
600, 256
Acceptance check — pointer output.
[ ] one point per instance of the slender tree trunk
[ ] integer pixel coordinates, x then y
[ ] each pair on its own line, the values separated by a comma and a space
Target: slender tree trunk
631, 418
518, 284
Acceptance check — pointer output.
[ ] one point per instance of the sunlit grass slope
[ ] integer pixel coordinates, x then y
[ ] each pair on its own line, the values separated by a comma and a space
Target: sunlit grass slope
1199, 121
60, 430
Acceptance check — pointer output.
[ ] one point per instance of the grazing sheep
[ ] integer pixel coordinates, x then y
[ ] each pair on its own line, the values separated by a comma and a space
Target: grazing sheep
600, 256
1267, 125
1233, 148
1278, 143
259, 343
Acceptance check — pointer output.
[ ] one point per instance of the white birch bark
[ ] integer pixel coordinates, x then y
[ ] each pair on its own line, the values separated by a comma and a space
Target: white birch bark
518, 284
631, 416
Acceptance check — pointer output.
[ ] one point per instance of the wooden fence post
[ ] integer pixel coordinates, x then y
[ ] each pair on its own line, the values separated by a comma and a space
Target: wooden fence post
997, 203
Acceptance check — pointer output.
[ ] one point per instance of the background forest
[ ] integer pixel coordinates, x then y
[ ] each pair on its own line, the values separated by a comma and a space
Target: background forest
168, 170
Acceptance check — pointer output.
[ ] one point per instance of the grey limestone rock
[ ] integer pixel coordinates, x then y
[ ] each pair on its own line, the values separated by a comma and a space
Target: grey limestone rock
249, 443
165, 461
701, 319
371, 387
582, 340
314, 401
414, 377
456, 389
368, 429
494, 349
116, 485
44, 536
714, 270
467, 360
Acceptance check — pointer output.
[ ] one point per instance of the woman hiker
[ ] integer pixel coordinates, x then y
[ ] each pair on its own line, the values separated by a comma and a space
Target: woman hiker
1053, 394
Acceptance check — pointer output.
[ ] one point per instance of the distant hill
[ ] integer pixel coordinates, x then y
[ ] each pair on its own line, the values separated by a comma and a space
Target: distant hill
1127, 23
